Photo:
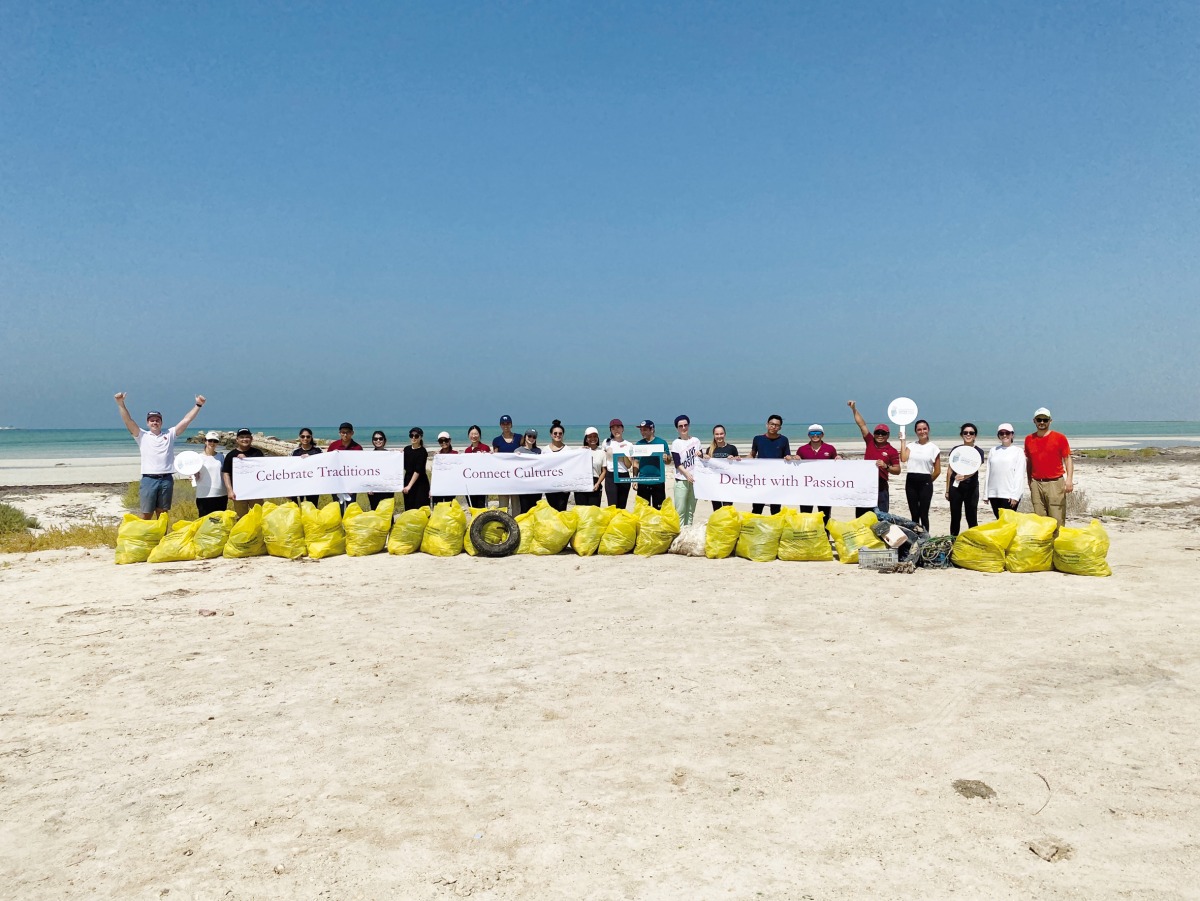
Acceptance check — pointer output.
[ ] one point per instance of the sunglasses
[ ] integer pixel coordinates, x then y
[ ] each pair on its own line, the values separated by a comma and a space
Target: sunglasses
1041, 420
968, 432
378, 438
815, 434
210, 440
443, 441
881, 432
556, 434
1002, 434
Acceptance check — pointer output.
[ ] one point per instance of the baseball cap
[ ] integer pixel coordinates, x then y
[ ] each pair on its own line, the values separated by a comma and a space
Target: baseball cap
646, 424
615, 422
1005, 427
505, 419
442, 435
590, 430
817, 427
241, 432
1042, 411
212, 436
154, 413
531, 433
882, 427
346, 425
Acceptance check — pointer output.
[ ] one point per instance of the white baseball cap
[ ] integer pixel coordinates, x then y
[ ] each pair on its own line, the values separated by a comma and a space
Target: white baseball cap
212, 436
1042, 411
1005, 427
817, 427
442, 435
590, 430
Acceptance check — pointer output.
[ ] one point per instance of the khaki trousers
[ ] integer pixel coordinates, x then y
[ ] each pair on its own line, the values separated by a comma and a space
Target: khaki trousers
1050, 499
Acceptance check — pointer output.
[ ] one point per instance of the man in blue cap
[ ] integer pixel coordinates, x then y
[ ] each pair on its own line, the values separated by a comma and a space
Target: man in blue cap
157, 449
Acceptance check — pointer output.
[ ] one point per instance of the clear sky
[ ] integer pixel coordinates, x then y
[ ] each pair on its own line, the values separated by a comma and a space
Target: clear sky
439, 212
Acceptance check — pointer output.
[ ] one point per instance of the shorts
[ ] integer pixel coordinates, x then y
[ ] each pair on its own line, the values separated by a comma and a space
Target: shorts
155, 493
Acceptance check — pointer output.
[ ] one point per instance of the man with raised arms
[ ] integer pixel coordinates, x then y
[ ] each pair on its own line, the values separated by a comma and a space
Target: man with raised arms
879, 449
157, 449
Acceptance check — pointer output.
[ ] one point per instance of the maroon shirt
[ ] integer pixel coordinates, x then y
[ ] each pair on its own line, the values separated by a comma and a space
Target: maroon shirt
824, 452
887, 453
336, 444
482, 449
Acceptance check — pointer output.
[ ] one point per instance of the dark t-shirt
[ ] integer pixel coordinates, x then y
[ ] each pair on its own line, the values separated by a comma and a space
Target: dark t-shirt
415, 459
728, 450
503, 446
300, 452
765, 448
652, 465
227, 466
975, 475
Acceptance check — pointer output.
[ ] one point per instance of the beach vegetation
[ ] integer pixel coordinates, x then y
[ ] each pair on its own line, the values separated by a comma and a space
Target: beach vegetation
1113, 512
183, 501
90, 533
14, 521
1116, 453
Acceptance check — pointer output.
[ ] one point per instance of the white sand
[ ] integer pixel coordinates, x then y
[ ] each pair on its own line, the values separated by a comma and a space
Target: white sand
617, 728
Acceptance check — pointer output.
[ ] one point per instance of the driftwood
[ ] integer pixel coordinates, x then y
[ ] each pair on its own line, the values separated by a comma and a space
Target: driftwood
268, 444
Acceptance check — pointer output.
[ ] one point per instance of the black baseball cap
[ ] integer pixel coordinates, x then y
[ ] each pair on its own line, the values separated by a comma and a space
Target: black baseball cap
241, 432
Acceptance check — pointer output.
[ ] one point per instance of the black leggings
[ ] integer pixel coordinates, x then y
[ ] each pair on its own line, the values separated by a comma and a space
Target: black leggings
964, 498
478, 501
919, 489
654, 495
558, 499
758, 508
587, 498
207, 505
717, 505
616, 492
1002, 503
828, 511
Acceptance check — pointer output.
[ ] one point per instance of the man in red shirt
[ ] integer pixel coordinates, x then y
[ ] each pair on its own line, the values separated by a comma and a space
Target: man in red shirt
345, 439
879, 449
1049, 468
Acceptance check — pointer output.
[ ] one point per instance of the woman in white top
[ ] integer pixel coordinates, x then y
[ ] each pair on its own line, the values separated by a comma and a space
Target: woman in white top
1005, 472
210, 487
924, 461
557, 499
591, 441
684, 451
615, 450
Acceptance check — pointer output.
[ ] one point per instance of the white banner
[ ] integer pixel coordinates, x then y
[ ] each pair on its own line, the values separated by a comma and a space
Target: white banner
335, 472
825, 483
567, 470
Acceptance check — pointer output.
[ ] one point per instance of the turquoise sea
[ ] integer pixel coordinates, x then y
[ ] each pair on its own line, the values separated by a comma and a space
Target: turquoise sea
18, 443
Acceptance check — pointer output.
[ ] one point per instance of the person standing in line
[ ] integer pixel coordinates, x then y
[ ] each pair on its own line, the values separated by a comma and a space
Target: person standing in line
963, 491
243, 450
1005, 472
306, 449
157, 450
379, 443
507, 443
719, 450
557, 499
924, 461
653, 465
816, 449
879, 449
591, 441
210, 487
475, 445
345, 441
528, 447
1049, 469
416, 479
771, 446
444, 447
616, 451
684, 451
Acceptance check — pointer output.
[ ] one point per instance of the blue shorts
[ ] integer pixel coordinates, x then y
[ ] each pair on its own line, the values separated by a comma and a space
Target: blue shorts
156, 493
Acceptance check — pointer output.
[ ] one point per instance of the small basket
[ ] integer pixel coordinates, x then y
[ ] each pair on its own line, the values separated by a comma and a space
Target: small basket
877, 558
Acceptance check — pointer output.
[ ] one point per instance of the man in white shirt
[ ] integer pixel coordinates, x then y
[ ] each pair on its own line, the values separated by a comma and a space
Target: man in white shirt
158, 455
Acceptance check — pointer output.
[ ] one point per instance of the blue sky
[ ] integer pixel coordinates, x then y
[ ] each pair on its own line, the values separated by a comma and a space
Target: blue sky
440, 212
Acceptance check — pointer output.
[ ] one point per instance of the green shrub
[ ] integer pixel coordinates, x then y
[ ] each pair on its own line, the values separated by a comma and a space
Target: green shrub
14, 521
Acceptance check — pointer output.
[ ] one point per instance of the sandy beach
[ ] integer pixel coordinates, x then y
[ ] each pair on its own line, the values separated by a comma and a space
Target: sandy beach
673, 727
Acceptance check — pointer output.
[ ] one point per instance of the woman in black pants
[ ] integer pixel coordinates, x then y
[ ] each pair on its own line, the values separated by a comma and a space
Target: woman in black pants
963, 491
924, 461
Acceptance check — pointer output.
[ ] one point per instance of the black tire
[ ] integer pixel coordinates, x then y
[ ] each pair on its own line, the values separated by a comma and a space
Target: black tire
506, 547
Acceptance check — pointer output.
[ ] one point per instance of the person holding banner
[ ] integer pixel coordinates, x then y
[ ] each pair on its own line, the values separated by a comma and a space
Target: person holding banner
375, 498
210, 487
157, 449
591, 441
653, 465
557, 499
816, 449
684, 451
720, 449
306, 449
444, 447
528, 447
879, 449
616, 449
771, 446
963, 490
924, 461
243, 449
475, 445
507, 443
416, 479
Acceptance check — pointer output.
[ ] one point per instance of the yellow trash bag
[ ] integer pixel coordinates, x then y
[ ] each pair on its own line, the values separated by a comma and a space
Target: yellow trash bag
1082, 552
246, 536
323, 532
1032, 549
551, 530
656, 528
367, 530
283, 530
758, 539
590, 525
137, 537
213, 533
721, 533
444, 535
848, 537
804, 537
408, 530
982, 548
620, 535
525, 524
178, 544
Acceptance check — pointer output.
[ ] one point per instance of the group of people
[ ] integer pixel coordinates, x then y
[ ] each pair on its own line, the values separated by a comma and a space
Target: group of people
1043, 465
